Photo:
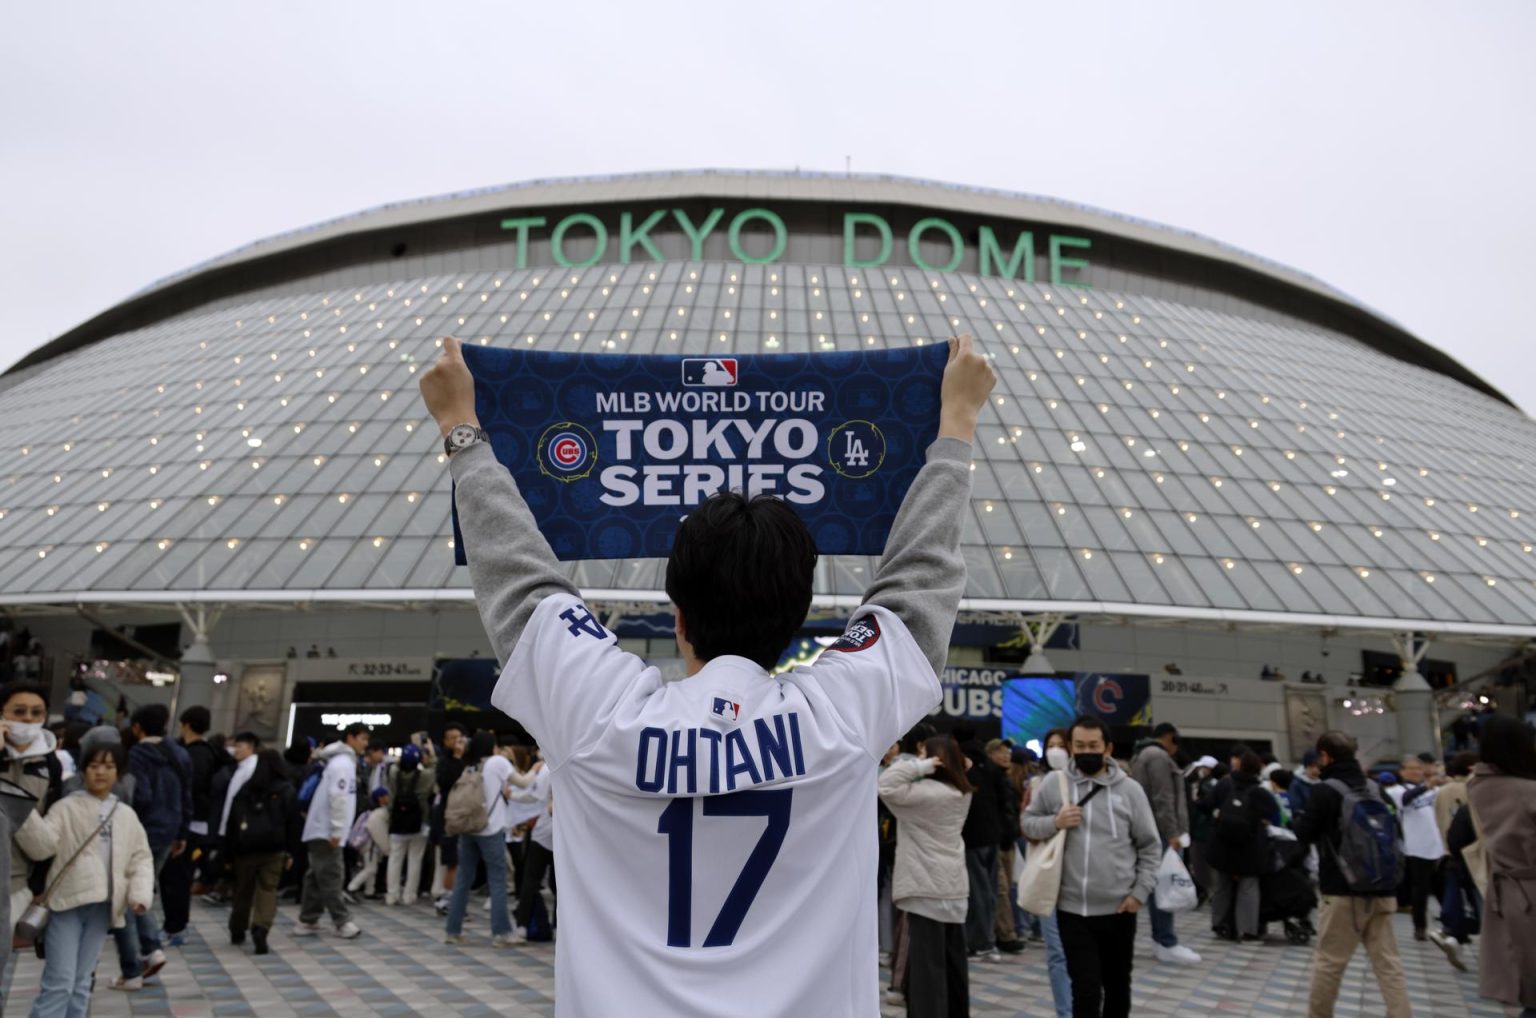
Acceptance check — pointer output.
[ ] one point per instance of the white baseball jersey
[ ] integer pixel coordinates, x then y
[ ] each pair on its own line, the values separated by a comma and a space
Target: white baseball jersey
717, 846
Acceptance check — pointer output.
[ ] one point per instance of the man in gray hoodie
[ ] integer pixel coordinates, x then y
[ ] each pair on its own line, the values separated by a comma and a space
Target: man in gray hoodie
1109, 867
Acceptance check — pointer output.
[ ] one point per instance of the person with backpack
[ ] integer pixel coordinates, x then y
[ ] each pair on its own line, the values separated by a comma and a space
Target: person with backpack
261, 820
30, 763
1360, 862
209, 760
476, 813
1238, 849
162, 798
329, 793
410, 804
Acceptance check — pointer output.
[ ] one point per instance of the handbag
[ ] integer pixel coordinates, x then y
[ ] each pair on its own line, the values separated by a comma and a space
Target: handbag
35, 919
1040, 883
1475, 855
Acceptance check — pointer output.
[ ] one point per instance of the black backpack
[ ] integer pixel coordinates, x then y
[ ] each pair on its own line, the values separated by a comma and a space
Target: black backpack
405, 814
1239, 819
259, 824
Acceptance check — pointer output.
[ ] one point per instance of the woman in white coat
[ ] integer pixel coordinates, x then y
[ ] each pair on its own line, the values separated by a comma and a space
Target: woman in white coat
113, 871
930, 797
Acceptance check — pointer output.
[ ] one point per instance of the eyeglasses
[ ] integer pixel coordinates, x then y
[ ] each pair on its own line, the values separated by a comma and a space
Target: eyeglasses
21, 713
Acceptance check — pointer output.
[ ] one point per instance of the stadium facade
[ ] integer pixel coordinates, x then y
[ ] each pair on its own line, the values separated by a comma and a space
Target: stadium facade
1199, 465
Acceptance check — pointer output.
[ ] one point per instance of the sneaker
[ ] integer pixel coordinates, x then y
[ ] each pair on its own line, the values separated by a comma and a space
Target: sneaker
506, 940
992, 955
128, 985
1420, 934
1178, 954
893, 997
348, 930
1011, 946
519, 935
303, 929
154, 963
1451, 948
487, 904
176, 940
454, 938
349, 897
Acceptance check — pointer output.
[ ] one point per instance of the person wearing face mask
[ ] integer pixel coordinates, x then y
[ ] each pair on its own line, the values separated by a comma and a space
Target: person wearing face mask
1109, 868
1057, 758
31, 765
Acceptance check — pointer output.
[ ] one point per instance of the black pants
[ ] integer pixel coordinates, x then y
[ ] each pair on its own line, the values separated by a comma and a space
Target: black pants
536, 860
1099, 952
176, 886
938, 981
1421, 881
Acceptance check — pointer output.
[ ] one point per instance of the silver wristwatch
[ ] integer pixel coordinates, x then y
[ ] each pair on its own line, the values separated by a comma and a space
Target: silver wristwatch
461, 436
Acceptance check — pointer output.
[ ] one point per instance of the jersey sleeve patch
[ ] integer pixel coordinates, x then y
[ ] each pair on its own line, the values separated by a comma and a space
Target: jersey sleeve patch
861, 634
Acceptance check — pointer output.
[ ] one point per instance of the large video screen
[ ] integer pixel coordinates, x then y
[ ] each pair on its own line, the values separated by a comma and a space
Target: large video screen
1033, 706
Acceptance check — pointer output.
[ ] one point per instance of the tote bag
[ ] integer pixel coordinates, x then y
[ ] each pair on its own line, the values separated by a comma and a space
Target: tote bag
1040, 884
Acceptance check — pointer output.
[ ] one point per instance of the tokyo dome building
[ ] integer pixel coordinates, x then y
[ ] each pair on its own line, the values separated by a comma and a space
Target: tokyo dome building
1203, 466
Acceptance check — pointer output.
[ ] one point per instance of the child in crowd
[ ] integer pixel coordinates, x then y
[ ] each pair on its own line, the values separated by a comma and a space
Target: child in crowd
370, 837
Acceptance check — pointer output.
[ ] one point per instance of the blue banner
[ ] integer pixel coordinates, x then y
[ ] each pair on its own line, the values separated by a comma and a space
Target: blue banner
612, 450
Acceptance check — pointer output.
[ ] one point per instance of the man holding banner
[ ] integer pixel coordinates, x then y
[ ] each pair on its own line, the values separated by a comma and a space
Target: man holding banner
720, 830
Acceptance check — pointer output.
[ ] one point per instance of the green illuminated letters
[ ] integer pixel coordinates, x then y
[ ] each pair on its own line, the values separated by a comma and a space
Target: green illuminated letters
780, 235
915, 243
1058, 262
696, 236
522, 226
557, 239
853, 220
629, 237
992, 255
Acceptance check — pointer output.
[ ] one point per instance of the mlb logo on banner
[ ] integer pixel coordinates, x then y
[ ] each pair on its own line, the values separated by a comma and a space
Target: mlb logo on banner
709, 371
726, 709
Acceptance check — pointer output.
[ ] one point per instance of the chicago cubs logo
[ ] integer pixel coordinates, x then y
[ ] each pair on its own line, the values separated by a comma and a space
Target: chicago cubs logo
709, 372
860, 635
567, 451
856, 449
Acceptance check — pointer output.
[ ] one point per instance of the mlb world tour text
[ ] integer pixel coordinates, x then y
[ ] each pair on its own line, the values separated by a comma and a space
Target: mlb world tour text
995, 255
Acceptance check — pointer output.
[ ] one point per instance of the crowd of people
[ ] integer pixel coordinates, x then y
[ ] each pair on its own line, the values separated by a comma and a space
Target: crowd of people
241, 825
1323, 852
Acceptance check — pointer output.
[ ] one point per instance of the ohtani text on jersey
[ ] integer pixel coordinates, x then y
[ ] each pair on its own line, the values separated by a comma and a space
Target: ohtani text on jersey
708, 761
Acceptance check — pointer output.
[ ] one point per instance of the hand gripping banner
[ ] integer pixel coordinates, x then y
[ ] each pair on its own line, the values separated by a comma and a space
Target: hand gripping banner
610, 451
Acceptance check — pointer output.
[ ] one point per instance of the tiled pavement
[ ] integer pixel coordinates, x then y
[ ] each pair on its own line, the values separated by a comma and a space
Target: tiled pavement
399, 967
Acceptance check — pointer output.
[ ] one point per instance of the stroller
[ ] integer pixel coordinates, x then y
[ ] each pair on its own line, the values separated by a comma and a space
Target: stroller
1285, 893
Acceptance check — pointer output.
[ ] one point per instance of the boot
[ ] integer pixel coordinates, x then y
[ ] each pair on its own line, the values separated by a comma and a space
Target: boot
259, 938
236, 936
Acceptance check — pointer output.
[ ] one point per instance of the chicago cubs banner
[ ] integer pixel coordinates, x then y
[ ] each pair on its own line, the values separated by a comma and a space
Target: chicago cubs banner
610, 451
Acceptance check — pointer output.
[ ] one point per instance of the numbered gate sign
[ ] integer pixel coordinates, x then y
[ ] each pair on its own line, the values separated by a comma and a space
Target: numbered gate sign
612, 450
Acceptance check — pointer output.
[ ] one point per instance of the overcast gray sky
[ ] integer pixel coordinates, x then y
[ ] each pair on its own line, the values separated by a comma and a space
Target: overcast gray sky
1384, 147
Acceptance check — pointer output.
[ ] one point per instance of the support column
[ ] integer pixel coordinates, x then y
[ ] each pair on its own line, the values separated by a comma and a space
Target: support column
1040, 630
194, 682
1418, 730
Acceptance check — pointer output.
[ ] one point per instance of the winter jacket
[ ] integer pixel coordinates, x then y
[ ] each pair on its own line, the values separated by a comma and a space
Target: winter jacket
207, 761
994, 808
38, 772
1506, 812
334, 806
1154, 770
283, 821
930, 852
1250, 856
1114, 854
72, 822
162, 794
422, 780
1319, 825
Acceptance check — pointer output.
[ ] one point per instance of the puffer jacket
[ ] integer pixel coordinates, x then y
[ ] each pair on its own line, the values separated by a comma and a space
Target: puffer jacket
70, 823
930, 853
39, 772
162, 794
1114, 854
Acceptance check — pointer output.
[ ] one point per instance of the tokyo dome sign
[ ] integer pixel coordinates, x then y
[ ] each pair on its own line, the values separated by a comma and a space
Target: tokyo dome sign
759, 236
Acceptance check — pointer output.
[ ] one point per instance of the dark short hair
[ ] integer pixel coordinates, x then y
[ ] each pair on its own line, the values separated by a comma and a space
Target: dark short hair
1250, 763
454, 726
1089, 723
198, 719
1509, 744
1238, 749
152, 717
1427, 758
377, 743
1461, 765
1165, 728
1338, 745
249, 738
18, 686
481, 745
740, 574
1282, 779
356, 728
919, 733
113, 750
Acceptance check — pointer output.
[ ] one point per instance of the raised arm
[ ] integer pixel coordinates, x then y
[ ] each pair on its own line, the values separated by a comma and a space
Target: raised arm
921, 576
511, 566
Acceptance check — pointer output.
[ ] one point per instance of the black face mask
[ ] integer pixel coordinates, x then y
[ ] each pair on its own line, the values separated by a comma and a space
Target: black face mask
1088, 763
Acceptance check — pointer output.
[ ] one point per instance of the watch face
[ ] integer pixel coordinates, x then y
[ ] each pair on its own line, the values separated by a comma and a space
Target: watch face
461, 436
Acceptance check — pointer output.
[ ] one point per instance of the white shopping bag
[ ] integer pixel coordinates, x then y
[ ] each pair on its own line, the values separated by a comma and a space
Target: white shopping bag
1175, 888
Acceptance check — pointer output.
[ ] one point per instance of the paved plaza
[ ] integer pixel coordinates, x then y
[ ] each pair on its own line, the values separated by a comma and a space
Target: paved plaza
400, 967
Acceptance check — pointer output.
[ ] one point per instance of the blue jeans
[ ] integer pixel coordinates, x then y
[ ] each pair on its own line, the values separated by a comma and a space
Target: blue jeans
1462, 907
73, 941
492, 850
1056, 964
1163, 934
139, 936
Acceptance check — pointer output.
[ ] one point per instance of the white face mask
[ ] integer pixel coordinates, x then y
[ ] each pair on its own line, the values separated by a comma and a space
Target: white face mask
24, 733
1058, 758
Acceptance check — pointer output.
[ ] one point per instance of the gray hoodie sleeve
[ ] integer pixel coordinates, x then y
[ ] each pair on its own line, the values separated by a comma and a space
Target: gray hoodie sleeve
922, 574
511, 565
1144, 838
1039, 821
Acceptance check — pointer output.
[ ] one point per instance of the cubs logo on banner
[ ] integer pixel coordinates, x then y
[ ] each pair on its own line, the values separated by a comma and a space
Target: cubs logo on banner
610, 451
